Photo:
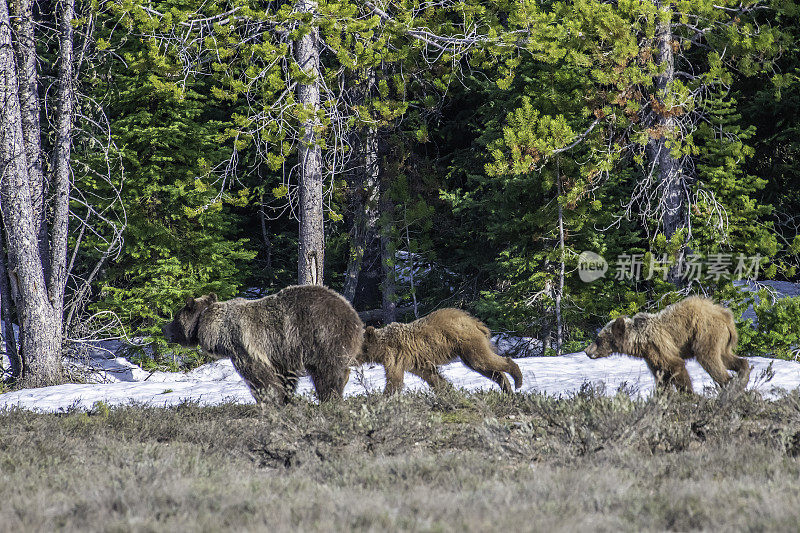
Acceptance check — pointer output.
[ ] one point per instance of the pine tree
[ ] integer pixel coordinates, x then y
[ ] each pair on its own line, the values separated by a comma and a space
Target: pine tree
182, 235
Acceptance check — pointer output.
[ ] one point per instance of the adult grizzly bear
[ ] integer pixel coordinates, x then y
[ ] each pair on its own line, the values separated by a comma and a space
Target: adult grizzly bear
421, 346
273, 339
694, 327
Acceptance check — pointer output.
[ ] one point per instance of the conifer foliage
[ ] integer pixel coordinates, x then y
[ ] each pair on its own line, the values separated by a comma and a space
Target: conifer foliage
412, 154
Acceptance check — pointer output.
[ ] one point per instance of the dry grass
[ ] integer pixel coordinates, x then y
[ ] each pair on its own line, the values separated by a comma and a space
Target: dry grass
456, 461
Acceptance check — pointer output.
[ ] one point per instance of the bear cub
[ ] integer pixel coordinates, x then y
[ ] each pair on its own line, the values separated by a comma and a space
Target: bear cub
421, 346
694, 327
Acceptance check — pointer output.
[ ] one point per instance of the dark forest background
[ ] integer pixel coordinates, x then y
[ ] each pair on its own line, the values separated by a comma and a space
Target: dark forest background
466, 153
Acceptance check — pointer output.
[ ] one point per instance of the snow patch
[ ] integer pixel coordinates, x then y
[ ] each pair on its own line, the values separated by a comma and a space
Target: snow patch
218, 382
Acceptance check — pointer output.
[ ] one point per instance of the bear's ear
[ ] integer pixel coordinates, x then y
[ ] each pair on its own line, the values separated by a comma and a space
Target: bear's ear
618, 328
190, 302
212, 298
369, 331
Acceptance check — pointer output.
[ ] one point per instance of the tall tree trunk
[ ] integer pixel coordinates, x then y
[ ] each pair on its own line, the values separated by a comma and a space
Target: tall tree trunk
667, 167
40, 347
414, 303
387, 257
546, 333
262, 218
61, 163
365, 209
25, 48
560, 289
56, 271
312, 232
15, 362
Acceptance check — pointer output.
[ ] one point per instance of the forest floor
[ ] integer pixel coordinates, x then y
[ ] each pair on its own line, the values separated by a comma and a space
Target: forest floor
455, 461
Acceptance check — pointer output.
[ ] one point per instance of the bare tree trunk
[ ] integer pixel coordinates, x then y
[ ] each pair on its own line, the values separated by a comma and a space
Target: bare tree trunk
25, 48
5, 313
40, 347
61, 163
560, 290
265, 236
414, 303
312, 232
547, 326
663, 123
365, 209
388, 258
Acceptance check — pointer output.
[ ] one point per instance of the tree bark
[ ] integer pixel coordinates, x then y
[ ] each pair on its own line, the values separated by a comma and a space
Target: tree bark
25, 48
387, 258
560, 289
663, 125
311, 255
365, 209
61, 162
40, 347
262, 218
15, 362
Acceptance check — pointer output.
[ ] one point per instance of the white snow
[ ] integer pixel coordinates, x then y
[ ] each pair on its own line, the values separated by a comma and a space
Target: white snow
218, 382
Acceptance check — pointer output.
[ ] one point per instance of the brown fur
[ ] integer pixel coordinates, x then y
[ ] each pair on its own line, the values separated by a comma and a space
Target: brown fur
694, 327
421, 346
272, 340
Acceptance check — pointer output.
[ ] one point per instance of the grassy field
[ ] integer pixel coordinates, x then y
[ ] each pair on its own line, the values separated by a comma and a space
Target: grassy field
451, 462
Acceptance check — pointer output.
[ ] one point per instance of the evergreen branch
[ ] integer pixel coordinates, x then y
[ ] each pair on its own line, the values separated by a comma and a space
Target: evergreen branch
432, 38
741, 8
578, 140
226, 17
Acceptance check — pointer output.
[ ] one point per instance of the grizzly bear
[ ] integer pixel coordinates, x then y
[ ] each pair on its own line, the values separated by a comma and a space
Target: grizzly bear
421, 346
272, 340
694, 327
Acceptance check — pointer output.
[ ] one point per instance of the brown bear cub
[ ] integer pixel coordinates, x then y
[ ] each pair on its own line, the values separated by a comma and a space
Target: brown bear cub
421, 346
273, 340
694, 327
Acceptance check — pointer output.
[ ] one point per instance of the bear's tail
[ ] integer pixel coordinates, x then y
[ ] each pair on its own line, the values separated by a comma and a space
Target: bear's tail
513, 369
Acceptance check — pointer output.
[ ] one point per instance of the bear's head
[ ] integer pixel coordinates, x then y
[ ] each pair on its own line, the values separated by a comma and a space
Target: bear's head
371, 350
611, 339
183, 328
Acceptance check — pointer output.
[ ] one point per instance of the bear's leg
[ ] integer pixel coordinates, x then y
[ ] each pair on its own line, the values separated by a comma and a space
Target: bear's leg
516, 373
715, 368
481, 357
287, 386
260, 391
432, 377
659, 374
709, 350
394, 379
329, 383
492, 368
671, 372
679, 376
731, 361
500, 379
741, 366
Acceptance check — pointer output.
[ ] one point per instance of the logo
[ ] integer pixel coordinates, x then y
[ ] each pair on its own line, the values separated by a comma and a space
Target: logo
591, 266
